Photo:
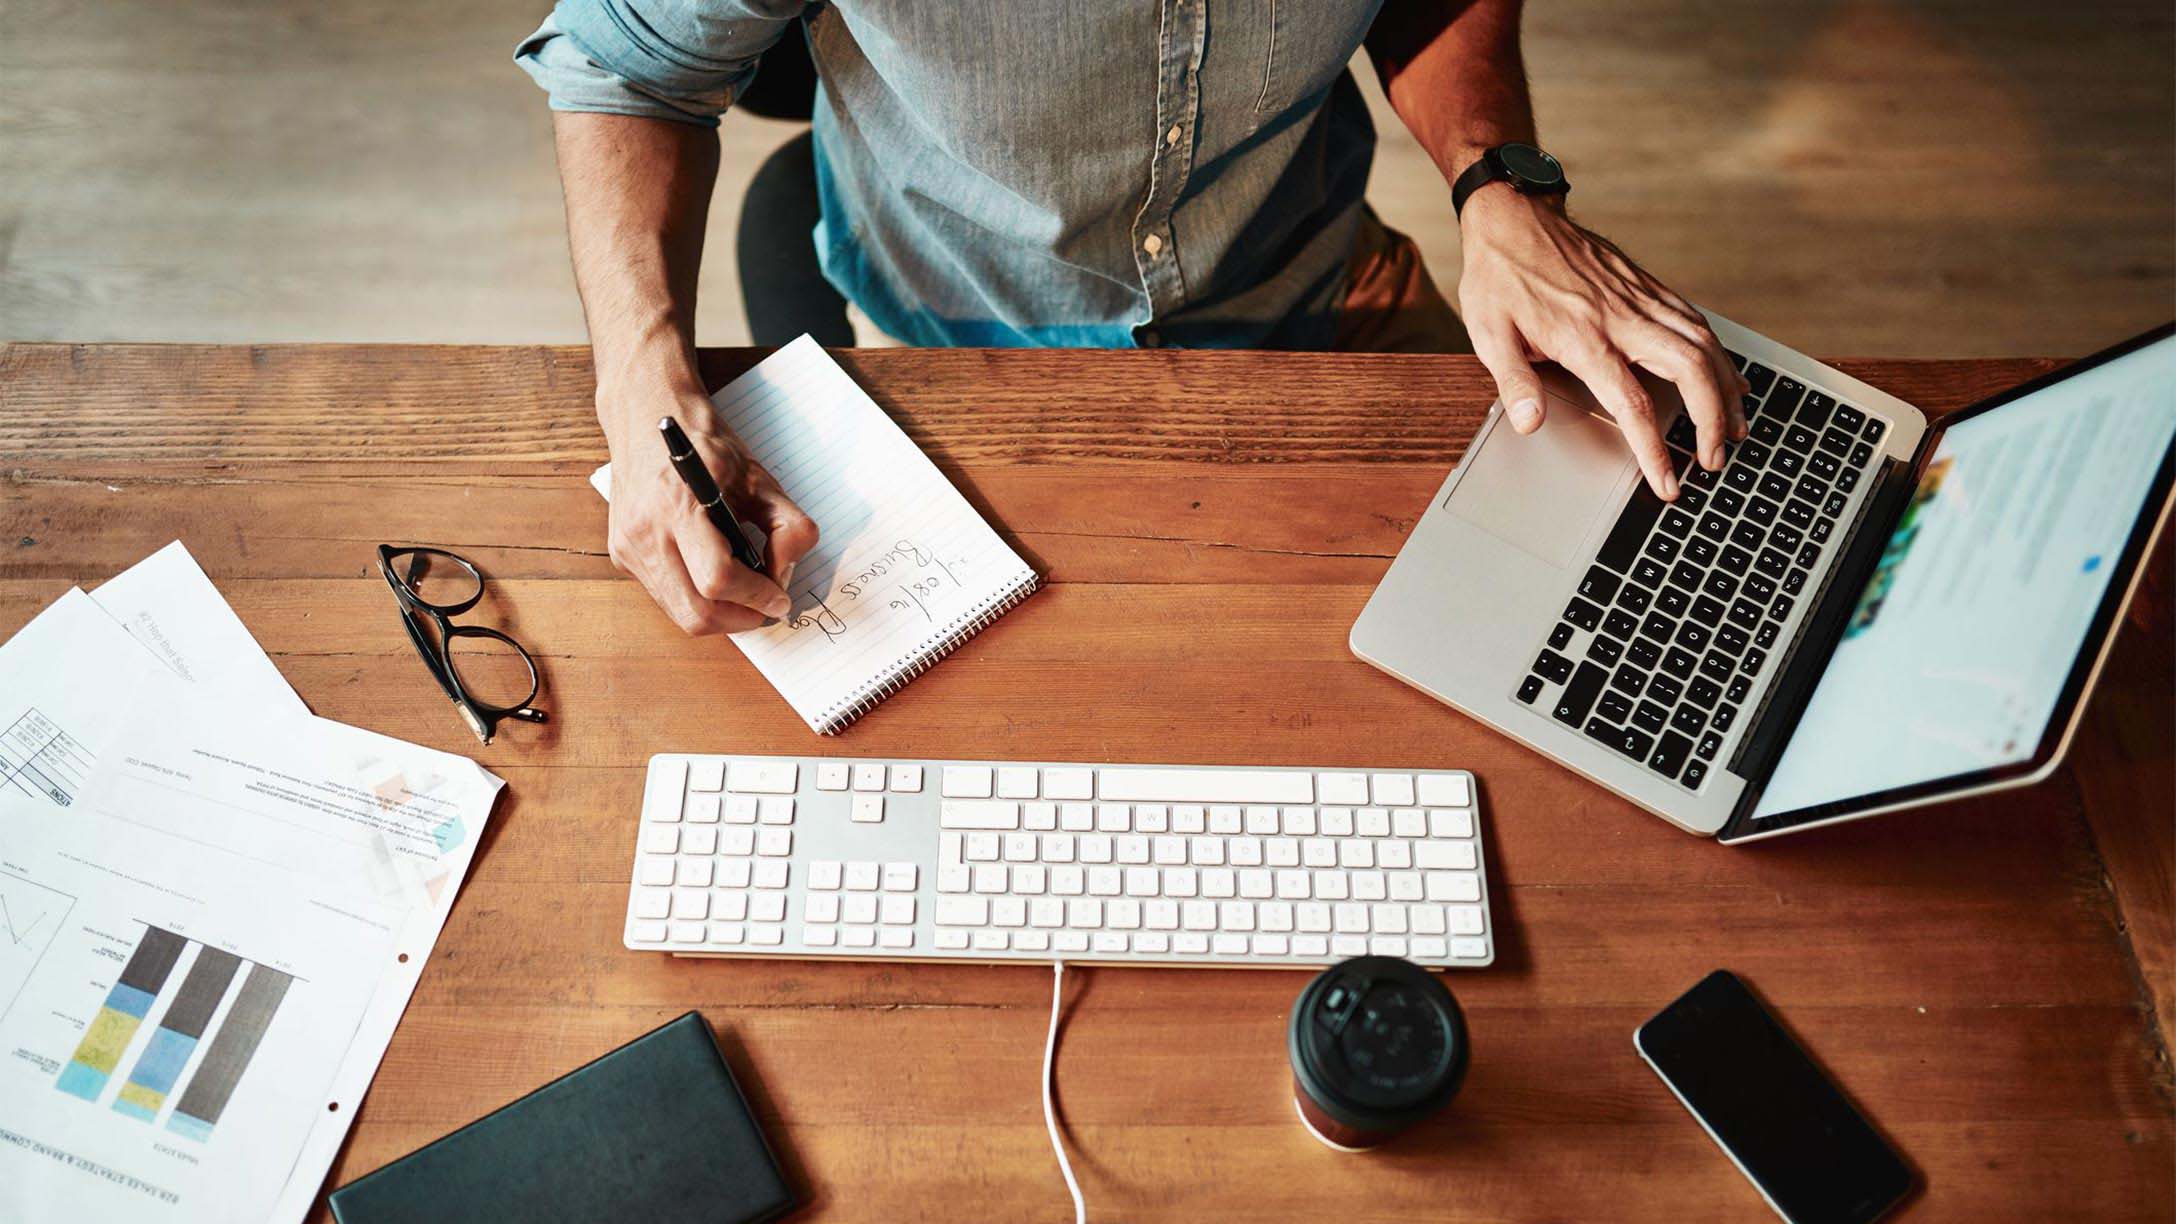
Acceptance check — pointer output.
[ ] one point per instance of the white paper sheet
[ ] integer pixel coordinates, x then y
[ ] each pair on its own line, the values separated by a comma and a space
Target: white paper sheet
302, 794
166, 602
66, 680
141, 1087
351, 809
97, 730
82, 662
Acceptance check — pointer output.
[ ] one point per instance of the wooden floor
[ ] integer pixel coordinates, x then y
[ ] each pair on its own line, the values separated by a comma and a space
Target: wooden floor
1878, 177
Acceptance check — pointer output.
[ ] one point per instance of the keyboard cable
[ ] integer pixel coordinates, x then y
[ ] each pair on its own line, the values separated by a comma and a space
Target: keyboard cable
1050, 1109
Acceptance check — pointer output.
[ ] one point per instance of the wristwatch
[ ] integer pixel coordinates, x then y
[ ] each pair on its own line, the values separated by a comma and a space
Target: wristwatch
1529, 170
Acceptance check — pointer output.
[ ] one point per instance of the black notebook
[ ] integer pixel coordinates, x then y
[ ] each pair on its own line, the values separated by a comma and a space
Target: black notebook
655, 1131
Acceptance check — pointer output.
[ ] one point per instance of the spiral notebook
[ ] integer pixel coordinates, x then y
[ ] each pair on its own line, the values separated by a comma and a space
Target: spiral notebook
904, 571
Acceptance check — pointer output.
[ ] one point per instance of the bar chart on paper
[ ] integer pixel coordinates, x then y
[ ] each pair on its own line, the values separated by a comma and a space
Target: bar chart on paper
208, 1009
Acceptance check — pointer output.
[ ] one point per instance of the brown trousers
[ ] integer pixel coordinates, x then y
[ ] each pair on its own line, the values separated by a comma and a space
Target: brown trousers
1392, 305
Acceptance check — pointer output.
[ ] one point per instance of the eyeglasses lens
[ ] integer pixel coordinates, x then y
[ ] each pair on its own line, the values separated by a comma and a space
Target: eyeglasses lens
438, 581
492, 672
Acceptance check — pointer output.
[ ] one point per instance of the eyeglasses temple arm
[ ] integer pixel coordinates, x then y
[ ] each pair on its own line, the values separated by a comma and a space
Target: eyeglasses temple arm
475, 723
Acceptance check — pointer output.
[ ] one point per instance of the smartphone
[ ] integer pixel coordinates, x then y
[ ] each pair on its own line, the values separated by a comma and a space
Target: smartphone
1785, 1125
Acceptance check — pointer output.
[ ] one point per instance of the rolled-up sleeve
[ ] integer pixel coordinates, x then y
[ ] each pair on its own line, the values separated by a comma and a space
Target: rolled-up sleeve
683, 60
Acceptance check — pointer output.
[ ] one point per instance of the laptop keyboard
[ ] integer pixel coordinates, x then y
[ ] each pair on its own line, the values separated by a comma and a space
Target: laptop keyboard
1683, 608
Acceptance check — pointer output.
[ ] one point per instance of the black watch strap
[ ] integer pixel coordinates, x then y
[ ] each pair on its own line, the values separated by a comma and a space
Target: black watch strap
1481, 173
1490, 168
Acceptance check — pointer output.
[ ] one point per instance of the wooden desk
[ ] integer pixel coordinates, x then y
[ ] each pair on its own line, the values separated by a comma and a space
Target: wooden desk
1211, 524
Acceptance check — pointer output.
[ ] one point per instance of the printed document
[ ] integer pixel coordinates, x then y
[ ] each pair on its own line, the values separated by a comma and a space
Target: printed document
172, 1021
166, 801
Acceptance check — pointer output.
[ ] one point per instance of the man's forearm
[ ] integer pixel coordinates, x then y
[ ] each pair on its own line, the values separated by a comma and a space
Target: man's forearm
637, 191
1453, 74
637, 194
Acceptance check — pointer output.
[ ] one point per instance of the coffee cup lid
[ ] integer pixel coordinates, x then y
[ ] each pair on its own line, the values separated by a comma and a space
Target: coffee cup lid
1378, 1043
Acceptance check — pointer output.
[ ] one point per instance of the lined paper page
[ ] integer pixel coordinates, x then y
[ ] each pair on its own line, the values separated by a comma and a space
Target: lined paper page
904, 567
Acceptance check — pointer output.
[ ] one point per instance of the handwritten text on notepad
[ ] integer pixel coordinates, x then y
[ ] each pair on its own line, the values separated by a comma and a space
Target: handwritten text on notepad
905, 568
907, 578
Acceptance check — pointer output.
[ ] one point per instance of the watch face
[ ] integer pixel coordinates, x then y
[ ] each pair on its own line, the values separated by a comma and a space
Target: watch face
1531, 164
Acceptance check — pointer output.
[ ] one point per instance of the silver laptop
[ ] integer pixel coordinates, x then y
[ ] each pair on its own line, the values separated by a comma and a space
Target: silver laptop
1861, 612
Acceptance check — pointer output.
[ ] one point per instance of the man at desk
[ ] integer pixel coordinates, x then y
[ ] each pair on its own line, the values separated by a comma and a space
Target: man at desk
1048, 172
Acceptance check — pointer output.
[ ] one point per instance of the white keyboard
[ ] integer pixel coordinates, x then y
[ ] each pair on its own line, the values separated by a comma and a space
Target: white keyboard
1000, 861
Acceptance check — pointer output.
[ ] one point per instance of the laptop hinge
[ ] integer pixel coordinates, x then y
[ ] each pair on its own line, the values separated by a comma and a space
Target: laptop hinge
1808, 656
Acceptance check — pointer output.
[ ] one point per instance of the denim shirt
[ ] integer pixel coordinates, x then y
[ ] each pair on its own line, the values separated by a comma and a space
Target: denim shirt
1098, 173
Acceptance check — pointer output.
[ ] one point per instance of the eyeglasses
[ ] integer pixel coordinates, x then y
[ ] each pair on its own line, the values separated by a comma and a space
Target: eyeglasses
486, 673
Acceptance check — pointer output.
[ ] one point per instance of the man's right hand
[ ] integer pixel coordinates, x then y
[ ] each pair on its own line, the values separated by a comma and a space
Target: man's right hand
661, 537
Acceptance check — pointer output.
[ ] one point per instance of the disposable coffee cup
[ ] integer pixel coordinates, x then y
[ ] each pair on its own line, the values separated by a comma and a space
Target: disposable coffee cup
1377, 1044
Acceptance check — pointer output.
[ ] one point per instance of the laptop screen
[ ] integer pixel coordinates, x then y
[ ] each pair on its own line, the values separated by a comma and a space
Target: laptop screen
1956, 658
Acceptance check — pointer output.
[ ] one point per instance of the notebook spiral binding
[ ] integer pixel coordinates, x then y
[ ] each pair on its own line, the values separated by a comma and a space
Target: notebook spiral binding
895, 677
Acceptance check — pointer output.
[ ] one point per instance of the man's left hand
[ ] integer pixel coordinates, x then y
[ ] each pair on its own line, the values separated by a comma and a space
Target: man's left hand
1537, 286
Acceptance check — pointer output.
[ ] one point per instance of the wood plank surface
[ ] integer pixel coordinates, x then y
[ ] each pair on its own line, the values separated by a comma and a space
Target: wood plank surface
2124, 765
1983, 977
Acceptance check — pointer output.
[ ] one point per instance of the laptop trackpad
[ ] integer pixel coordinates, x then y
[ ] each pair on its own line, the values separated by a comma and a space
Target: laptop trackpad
1546, 493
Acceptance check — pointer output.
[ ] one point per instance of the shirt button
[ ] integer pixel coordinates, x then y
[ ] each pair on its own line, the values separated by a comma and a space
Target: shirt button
1152, 244
1172, 137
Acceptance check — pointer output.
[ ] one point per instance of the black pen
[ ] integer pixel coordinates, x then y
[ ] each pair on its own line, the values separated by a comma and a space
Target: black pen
697, 478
